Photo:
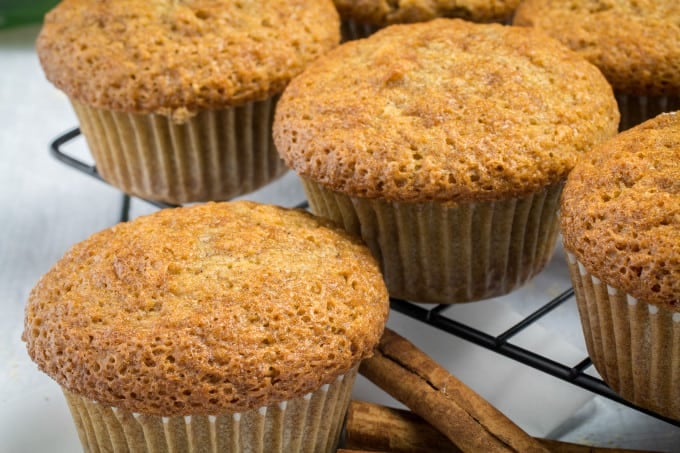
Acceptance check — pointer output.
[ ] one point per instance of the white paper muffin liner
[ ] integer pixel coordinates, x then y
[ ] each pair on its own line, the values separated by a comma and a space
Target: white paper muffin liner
438, 253
638, 109
311, 423
634, 345
214, 155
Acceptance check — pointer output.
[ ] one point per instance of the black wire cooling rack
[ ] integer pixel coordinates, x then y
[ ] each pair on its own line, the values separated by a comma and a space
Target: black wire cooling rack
433, 315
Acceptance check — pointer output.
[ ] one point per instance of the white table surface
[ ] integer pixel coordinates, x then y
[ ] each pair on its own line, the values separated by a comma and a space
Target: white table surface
46, 206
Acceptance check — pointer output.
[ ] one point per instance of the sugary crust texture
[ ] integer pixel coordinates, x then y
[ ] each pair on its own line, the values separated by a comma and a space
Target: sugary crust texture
208, 309
636, 43
620, 212
445, 110
174, 58
387, 12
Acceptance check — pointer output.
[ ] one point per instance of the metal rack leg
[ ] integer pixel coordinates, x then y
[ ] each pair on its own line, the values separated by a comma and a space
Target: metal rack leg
125, 208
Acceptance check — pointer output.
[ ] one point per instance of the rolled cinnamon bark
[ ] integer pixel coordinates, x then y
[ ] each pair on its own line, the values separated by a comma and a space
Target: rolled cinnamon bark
464, 417
372, 427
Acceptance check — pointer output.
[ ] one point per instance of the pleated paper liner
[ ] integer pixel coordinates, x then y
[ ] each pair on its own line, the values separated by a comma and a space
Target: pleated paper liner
214, 155
634, 345
439, 253
311, 423
351, 29
638, 109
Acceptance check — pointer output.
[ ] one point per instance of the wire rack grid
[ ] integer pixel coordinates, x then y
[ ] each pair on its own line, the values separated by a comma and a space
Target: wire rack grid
575, 374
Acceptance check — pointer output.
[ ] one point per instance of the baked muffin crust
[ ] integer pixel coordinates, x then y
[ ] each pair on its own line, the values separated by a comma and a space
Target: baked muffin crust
620, 211
170, 57
635, 43
386, 12
446, 110
207, 309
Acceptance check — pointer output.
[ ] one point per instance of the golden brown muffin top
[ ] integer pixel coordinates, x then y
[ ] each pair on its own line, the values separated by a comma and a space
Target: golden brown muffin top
386, 12
445, 110
620, 211
208, 309
174, 58
636, 43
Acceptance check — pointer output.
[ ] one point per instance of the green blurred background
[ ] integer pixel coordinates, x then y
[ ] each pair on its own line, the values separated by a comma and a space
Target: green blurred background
22, 12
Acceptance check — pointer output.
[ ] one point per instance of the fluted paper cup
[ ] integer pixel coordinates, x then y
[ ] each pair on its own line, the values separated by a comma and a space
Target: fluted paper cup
634, 345
311, 423
442, 253
350, 29
638, 109
212, 156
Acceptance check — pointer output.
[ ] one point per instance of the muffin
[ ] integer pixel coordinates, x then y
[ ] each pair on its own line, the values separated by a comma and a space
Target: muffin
176, 99
225, 326
360, 18
620, 220
635, 44
445, 145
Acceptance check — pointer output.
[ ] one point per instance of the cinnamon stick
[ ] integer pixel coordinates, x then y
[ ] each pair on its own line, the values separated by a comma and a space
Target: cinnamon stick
372, 427
464, 417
